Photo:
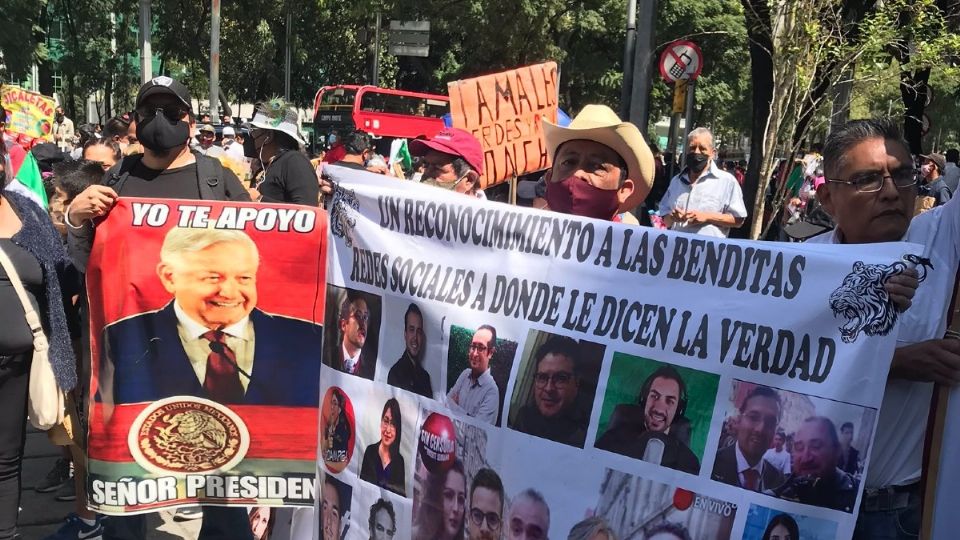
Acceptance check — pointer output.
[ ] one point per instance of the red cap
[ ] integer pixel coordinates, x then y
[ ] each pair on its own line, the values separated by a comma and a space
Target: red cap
453, 141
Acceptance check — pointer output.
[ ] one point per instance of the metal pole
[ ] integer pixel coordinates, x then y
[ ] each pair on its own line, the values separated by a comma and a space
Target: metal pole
286, 55
214, 60
146, 54
643, 65
628, 54
688, 120
375, 79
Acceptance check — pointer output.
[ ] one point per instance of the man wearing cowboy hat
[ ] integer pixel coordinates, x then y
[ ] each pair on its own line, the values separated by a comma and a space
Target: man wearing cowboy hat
703, 199
452, 159
288, 176
602, 167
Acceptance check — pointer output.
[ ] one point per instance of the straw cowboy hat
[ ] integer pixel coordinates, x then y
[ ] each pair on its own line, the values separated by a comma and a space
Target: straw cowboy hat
600, 124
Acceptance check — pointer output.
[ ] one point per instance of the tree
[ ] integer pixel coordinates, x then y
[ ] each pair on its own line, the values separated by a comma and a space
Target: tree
22, 39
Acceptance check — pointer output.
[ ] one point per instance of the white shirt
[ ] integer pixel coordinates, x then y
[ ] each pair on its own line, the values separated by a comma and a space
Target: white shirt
780, 460
240, 339
898, 446
714, 191
234, 151
479, 398
743, 466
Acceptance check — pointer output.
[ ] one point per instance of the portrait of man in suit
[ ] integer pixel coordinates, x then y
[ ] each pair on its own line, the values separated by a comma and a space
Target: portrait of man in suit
210, 340
742, 463
354, 323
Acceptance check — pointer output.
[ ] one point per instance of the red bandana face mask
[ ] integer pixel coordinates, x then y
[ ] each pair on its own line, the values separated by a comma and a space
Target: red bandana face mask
575, 196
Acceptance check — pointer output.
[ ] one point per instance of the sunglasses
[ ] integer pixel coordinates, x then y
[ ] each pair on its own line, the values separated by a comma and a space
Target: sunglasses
172, 112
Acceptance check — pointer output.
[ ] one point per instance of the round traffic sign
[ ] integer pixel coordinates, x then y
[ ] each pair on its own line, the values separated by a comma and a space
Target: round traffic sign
681, 60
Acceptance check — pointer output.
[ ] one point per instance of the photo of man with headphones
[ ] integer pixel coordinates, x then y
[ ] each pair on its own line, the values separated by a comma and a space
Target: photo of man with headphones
656, 429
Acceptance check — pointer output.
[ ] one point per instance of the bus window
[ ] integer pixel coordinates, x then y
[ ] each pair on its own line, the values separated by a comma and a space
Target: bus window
338, 98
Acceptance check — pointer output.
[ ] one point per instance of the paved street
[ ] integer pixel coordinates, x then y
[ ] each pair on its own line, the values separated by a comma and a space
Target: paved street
42, 514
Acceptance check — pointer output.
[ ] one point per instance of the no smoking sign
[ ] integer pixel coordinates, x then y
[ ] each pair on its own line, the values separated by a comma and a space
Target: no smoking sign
681, 60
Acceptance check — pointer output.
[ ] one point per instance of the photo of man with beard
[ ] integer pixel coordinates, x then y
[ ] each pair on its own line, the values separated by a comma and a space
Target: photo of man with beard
659, 435
352, 332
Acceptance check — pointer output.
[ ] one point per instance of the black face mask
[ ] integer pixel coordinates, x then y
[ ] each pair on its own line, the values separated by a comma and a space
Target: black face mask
697, 162
161, 135
59, 117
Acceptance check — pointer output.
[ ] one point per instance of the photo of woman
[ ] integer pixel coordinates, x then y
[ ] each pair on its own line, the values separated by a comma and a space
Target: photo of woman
443, 508
782, 527
337, 431
382, 463
261, 522
383, 520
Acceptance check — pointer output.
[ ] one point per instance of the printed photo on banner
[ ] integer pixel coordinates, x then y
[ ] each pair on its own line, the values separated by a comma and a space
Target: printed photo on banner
457, 493
338, 426
262, 519
478, 369
352, 331
634, 507
204, 380
793, 446
334, 502
657, 412
381, 515
386, 431
769, 524
414, 338
555, 386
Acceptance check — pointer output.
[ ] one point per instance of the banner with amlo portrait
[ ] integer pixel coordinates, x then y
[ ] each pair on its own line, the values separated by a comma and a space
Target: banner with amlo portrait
206, 331
491, 370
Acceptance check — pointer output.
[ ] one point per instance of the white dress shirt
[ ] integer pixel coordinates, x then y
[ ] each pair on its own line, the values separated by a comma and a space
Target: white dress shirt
239, 336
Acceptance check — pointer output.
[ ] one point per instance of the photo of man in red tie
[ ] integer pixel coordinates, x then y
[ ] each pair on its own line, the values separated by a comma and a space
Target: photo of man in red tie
210, 340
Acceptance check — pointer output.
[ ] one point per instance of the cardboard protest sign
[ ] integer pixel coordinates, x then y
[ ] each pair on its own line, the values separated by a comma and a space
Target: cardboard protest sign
30, 113
504, 112
490, 366
206, 331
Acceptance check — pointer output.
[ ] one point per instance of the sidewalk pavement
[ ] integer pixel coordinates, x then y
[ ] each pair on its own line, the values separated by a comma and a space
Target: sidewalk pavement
42, 515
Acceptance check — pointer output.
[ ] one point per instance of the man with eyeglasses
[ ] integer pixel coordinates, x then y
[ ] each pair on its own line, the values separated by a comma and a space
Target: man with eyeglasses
354, 316
476, 393
529, 517
870, 192
656, 435
453, 159
486, 506
554, 413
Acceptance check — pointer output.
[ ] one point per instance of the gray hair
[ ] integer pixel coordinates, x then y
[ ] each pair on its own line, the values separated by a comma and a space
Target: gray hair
701, 131
588, 528
854, 132
180, 240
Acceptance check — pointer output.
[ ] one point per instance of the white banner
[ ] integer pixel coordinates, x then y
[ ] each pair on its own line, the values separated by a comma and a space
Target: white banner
493, 371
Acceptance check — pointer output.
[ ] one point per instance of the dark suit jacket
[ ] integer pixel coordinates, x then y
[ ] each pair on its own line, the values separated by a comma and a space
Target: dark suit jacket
367, 365
725, 470
149, 363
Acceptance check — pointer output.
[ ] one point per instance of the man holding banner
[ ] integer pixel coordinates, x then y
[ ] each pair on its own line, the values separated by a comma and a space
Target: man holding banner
858, 159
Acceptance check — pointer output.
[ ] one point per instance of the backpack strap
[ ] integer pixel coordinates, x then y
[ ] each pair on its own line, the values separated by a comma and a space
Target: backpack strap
210, 178
118, 174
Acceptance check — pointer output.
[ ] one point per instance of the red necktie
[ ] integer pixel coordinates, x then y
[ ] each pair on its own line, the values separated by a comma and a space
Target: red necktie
751, 479
222, 381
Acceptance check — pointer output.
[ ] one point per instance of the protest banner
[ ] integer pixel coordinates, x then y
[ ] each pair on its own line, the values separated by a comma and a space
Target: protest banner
490, 367
504, 112
30, 113
205, 325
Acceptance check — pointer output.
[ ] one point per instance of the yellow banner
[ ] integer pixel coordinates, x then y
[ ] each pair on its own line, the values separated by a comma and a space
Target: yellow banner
30, 113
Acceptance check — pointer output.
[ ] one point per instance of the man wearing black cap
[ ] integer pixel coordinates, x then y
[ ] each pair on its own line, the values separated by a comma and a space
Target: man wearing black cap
166, 169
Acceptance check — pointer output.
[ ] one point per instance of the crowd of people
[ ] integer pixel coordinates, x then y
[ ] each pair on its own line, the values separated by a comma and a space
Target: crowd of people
864, 179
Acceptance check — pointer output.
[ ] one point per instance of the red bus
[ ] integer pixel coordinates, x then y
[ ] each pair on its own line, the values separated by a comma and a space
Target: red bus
383, 112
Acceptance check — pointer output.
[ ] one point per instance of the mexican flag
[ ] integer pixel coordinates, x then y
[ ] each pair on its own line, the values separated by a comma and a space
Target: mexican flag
29, 175
399, 153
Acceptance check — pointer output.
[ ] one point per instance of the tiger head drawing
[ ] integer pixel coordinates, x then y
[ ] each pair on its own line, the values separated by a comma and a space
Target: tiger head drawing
864, 302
